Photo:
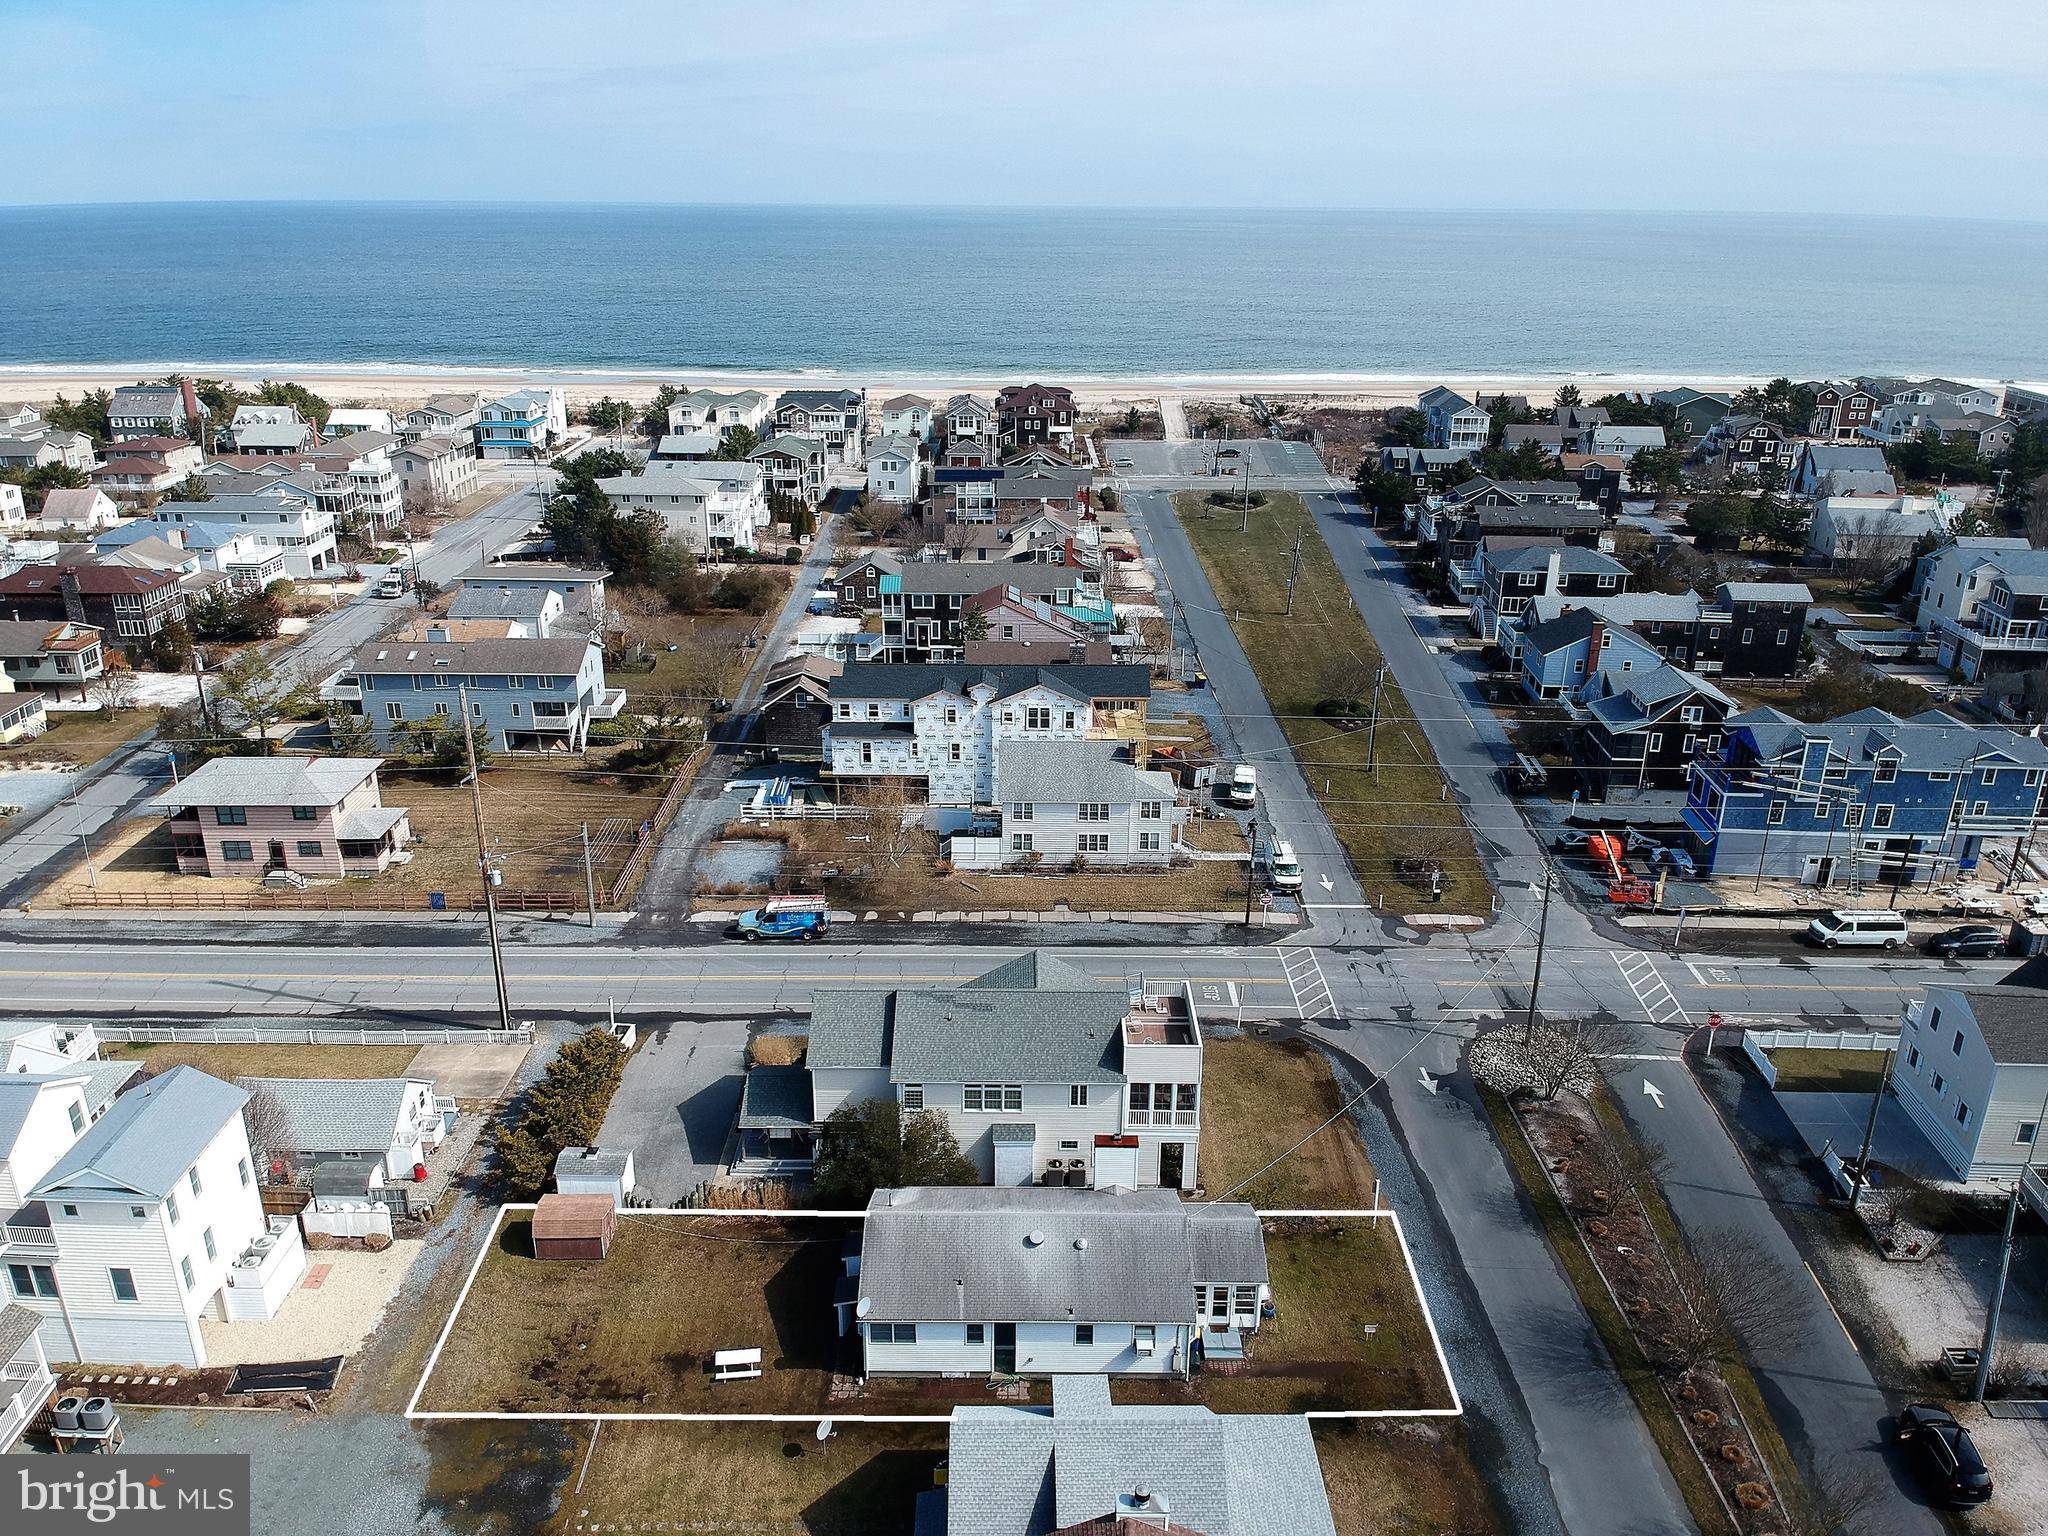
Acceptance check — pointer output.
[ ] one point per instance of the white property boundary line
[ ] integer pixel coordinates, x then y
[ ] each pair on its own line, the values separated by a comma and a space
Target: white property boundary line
415, 1413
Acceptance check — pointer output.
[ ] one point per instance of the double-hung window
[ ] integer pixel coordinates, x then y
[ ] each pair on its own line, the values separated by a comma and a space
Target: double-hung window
1092, 810
992, 1098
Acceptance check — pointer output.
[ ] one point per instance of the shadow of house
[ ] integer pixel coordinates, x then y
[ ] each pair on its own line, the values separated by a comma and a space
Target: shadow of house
880, 1494
799, 1298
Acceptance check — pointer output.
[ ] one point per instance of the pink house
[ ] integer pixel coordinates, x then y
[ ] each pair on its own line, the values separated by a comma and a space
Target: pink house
320, 817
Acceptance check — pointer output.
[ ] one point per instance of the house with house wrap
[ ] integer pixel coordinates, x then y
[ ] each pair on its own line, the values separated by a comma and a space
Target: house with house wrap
1037, 1281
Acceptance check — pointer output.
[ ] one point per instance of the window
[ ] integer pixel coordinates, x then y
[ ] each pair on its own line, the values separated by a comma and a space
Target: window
1784, 635
185, 1269
395, 710
1980, 807
1077, 1095
237, 852
1822, 809
892, 1333
913, 1095
231, 815
140, 1213
1962, 1113
1092, 810
1148, 842
1151, 810
171, 1206
1940, 1085
953, 752
441, 709
1748, 635
206, 1237
1037, 718
77, 1113
974, 1333
305, 813
2028, 1130
1956, 1046
1880, 817
242, 1171
192, 1177
992, 1098
1021, 811
1020, 842
123, 1282
32, 1279
1886, 771
1776, 815
1084, 1333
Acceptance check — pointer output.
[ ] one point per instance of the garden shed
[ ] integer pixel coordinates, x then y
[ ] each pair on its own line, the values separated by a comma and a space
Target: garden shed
573, 1226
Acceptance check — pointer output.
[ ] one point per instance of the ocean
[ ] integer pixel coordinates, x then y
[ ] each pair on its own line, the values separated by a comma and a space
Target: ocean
1075, 292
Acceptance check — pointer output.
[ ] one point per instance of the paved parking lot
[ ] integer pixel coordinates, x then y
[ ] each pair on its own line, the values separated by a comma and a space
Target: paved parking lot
1269, 457
677, 1105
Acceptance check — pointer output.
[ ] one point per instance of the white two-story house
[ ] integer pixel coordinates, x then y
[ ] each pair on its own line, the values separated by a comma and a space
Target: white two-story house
281, 517
1972, 1073
1059, 801
895, 469
718, 411
135, 1232
908, 416
708, 506
1053, 1282
1044, 1074
943, 726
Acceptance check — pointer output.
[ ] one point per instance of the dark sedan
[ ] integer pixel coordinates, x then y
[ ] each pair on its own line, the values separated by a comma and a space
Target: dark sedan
1970, 939
1944, 1456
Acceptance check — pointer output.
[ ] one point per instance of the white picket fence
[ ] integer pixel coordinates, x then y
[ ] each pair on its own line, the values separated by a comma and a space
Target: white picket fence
1756, 1043
282, 1034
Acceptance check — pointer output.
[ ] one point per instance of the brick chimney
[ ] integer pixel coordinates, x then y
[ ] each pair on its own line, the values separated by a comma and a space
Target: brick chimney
191, 396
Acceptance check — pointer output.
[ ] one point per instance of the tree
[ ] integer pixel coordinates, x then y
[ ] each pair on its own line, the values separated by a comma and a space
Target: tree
609, 415
565, 1108
877, 519
1789, 405
249, 694
874, 1145
87, 414
1567, 396
1932, 458
655, 422
434, 742
1386, 491
1547, 1057
298, 397
974, 625
737, 444
194, 487
1659, 470
350, 735
118, 686
1730, 1292
268, 1123
38, 482
1718, 520
1525, 461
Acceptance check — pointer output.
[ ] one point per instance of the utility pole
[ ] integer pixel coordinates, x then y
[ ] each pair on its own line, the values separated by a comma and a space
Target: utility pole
1870, 1130
1990, 1343
483, 861
1372, 730
1294, 573
1251, 872
589, 878
92, 876
199, 679
1536, 979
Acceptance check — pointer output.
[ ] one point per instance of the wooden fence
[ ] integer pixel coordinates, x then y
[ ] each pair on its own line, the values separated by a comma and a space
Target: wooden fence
337, 899
636, 865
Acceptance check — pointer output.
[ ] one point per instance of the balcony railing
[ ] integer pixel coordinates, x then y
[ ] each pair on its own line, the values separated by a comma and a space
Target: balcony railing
1138, 1119
16, 1234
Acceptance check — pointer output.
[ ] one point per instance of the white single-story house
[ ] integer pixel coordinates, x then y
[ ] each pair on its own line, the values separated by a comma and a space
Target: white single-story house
391, 1121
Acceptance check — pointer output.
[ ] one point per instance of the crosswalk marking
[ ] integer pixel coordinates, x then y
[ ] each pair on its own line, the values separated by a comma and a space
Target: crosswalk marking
1659, 1003
1305, 979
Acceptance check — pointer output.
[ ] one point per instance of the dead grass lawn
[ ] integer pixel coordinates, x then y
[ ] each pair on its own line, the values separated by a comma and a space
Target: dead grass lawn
81, 736
1403, 1480
228, 1062
1260, 1097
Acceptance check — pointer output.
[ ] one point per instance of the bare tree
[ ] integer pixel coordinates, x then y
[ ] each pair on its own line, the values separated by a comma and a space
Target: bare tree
119, 687
268, 1125
1833, 1503
1564, 1053
878, 519
863, 853
1730, 1293
1626, 1164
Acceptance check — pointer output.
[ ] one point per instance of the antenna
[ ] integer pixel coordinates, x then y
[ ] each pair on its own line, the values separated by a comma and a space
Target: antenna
824, 1430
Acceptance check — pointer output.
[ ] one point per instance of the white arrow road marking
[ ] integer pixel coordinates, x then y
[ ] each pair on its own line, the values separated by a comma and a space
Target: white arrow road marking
1651, 1090
1429, 1084
1326, 884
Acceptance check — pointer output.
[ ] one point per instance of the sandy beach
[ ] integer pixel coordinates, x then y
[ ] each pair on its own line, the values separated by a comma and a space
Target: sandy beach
343, 385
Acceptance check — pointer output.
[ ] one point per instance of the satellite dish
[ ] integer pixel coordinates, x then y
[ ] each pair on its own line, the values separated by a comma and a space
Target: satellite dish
824, 1430
862, 1307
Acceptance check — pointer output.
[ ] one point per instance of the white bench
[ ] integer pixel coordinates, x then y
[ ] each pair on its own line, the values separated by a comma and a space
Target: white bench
735, 1364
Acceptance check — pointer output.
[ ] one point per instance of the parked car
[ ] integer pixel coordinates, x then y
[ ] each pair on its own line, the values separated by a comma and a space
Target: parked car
1944, 1456
801, 918
1526, 776
1969, 939
1241, 789
1570, 842
1678, 860
1868, 930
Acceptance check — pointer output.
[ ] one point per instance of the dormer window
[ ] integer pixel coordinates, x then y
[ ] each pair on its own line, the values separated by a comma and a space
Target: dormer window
1886, 771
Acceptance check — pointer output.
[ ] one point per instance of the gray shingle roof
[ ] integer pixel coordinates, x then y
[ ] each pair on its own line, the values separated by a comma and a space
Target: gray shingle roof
1765, 592
1033, 1019
1928, 742
593, 1163
533, 570
1105, 1257
147, 1138
776, 1099
1027, 1472
818, 399
558, 657
1068, 772
2013, 1022
336, 1114
269, 781
919, 680
17, 1326
1571, 560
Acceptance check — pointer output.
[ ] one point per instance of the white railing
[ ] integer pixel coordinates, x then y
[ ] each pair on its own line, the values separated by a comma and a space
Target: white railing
278, 1034
2034, 1190
17, 1235
1141, 1118
1821, 1039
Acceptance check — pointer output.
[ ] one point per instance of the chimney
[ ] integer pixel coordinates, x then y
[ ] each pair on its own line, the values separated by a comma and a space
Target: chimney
191, 397
1595, 639
1554, 576
74, 600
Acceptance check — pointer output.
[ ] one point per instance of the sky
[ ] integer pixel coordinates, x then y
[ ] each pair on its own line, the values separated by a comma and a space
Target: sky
1810, 106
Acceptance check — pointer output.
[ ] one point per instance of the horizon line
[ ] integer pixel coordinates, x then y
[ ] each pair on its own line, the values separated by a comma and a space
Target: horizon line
845, 206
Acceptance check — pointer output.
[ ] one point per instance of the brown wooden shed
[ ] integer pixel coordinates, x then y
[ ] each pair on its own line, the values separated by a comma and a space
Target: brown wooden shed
573, 1226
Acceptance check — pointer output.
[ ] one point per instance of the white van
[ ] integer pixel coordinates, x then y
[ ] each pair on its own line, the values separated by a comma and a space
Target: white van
1282, 867
1242, 787
1871, 930
393, 584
